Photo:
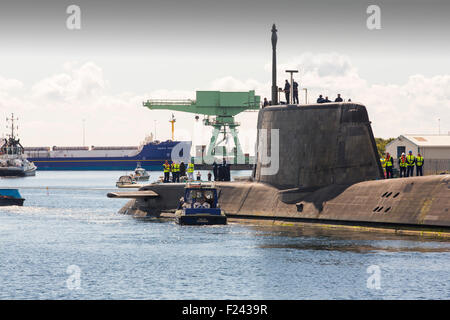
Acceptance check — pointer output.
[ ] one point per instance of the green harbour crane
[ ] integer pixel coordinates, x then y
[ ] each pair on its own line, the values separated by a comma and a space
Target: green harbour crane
219, 109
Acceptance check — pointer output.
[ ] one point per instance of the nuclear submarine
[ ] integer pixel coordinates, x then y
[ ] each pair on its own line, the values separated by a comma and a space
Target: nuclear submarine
317, 164
328, 174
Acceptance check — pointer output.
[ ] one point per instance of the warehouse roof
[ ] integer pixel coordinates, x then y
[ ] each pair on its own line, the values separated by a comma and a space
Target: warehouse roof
426, 140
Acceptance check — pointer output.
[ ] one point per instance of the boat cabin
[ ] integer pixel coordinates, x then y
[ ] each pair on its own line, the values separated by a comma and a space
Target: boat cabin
200, 196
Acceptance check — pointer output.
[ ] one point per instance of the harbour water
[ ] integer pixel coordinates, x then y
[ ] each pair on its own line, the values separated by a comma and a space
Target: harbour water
69, 242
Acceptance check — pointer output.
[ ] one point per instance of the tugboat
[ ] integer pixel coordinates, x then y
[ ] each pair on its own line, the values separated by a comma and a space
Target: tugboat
199, 206
10, 197
13, 163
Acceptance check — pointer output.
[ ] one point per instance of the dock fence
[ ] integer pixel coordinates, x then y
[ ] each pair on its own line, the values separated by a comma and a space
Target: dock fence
432, 166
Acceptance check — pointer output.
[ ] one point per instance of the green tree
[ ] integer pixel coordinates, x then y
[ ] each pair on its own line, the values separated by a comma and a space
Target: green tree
381, 145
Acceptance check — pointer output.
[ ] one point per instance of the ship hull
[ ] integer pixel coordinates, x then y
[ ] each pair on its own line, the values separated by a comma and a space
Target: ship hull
151, 157
10, 197
11, 202
95, 164
12, 172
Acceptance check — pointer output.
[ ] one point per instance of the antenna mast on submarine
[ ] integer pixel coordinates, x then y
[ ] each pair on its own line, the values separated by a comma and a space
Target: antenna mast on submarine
274, 66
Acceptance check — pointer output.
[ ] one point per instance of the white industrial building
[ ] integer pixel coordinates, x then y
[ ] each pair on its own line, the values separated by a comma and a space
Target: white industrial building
435, 149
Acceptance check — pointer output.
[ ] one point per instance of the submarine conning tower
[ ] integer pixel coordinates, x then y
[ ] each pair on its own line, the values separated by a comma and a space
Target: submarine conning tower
319, 145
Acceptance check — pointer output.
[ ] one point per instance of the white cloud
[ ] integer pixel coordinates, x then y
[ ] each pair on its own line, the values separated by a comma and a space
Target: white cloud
9, 85
76, 84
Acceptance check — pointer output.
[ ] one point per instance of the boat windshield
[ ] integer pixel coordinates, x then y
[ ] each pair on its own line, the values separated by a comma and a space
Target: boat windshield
200, 197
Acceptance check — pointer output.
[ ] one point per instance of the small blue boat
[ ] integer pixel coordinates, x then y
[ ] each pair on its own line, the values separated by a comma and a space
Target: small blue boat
10, 197
199, 206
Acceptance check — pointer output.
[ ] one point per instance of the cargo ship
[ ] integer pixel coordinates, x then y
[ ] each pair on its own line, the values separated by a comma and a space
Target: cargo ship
150, 155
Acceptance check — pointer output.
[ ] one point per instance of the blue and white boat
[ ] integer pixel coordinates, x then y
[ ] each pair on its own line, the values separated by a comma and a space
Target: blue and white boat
150, 155
10, 197
200, 206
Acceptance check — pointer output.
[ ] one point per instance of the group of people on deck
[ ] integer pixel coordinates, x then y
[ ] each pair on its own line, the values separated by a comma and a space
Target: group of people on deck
173, 171
406, 164
287, 94
177, 170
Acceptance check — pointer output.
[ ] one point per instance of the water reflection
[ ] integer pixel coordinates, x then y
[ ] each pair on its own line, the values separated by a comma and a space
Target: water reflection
330, 239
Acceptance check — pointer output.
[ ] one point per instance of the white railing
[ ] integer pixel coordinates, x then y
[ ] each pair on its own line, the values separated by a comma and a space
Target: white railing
170, 102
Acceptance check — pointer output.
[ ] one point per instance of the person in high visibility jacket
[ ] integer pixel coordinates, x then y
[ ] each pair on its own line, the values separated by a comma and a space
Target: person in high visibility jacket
166, 167
419, 165
402, 164
174, 171
410, 160
190, 171
383, 165
388, 164
177, 172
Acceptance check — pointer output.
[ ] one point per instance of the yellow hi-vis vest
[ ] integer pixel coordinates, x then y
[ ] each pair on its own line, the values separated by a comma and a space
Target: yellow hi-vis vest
388, 162
403, 162
172, 167
410, 160
190, 167
176, 167
419, 161
166, 167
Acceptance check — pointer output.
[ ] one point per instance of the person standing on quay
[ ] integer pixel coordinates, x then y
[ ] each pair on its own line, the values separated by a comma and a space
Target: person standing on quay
182, 170
410, 160
388, 163
419, 165
173, 169
166, 167
402, 164
215, 171
190, 171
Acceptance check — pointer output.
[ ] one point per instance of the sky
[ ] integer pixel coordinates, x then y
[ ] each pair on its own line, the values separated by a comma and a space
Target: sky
57, 80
